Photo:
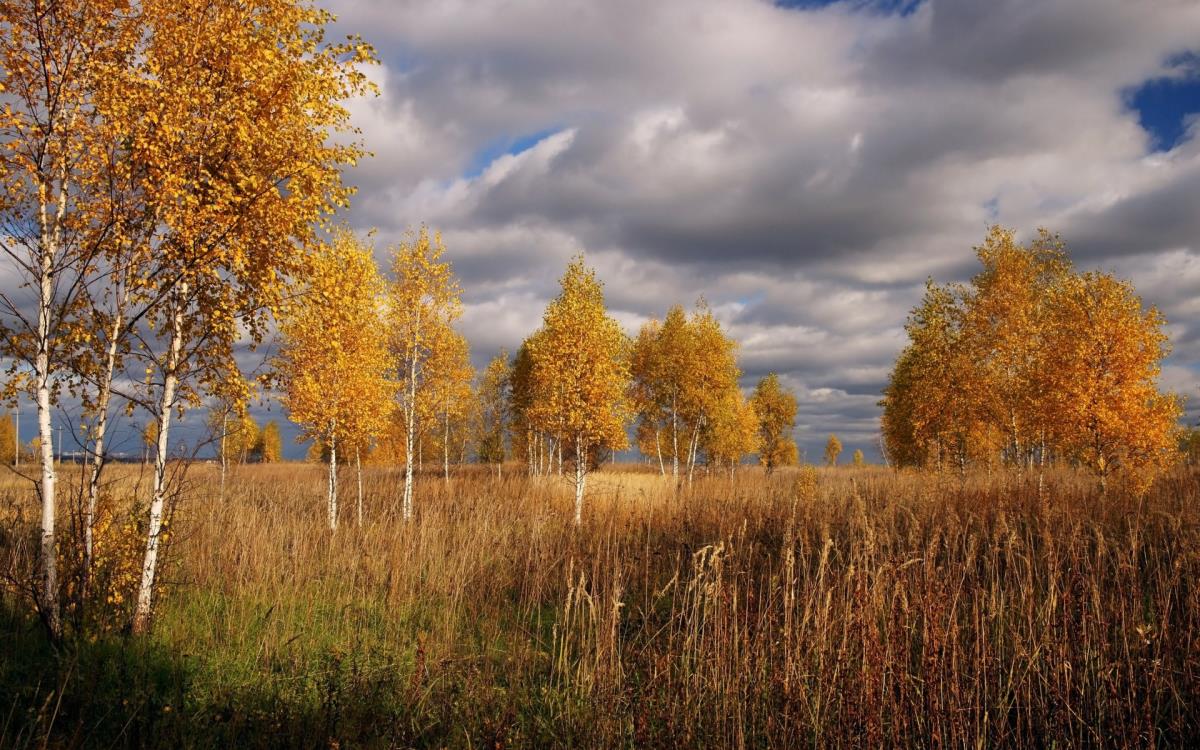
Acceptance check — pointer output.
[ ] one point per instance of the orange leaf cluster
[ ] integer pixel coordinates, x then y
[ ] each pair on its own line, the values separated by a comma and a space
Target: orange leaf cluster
1032, 363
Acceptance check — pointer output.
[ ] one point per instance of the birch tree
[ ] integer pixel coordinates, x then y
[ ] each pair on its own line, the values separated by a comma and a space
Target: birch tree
334, 361
580, 373
833, 449
55, 216
712, 380
663, 358
684, 375
269, 449
424, 302
492, 412
235, 106
1032, 360
448, 374
733, 431
9, 447
1104, 355
1007, 311
775, 409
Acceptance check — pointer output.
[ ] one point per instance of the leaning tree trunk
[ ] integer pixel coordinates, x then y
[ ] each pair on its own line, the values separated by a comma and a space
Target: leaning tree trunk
674, 441
692, 448
141, 616
104, 395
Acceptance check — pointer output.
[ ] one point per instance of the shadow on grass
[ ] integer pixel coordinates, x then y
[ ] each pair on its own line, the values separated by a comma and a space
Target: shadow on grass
121, 692
132, 693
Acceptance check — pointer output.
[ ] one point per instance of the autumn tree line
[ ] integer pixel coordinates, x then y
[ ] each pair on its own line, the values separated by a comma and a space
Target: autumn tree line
1033, 363
373, 369
170, 177
170, 183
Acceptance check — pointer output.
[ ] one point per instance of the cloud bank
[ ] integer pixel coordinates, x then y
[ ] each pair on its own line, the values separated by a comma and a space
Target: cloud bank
804, 168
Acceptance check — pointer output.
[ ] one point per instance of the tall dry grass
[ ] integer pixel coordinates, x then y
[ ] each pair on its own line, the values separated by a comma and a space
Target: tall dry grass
846, 607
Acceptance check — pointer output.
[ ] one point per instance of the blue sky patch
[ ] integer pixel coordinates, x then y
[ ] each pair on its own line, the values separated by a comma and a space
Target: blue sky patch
503, 146
899, 7
1164, 104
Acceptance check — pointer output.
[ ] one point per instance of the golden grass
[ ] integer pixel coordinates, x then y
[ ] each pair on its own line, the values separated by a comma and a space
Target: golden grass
865, 608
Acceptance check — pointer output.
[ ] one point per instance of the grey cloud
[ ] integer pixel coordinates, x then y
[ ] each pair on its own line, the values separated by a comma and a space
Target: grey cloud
802, 170
1163, 217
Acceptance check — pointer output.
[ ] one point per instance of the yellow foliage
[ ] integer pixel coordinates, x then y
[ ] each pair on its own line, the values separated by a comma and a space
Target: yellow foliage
685, 390
334, 360
431, 358
833, 449
1032, 362
579, 371
775, 409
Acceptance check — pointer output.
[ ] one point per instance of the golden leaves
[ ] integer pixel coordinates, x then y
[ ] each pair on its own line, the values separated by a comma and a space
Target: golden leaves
775, 407
685, 388
334, 362
1032, 363
424, 300
578, 368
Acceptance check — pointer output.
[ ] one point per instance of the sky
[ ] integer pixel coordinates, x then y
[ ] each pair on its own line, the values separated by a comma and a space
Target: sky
804, 166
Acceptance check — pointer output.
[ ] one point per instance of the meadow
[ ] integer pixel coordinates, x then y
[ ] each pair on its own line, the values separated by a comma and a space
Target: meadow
843, 607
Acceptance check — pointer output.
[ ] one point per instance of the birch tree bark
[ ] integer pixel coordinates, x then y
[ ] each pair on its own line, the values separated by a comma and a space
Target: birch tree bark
332, 498
49, 548
98, 457
142, 613
409, 433
580, 476
446, 447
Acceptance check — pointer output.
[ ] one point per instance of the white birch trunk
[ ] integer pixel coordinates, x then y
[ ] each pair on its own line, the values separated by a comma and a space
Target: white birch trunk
98, 437
358, 471
411, 424
49, 548
224, 457
407, 508
580, 476
48, 249
145, 600
446, 448
674, 439
662, 469
695, 441
332, 498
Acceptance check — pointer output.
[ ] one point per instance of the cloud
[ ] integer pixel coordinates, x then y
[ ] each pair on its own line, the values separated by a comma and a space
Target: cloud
804, 169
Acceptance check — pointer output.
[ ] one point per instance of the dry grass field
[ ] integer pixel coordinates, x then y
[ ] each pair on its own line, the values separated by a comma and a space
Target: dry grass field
811, 608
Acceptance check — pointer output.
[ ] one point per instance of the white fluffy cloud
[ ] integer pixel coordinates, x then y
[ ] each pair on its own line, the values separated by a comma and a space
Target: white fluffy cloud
802, 169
